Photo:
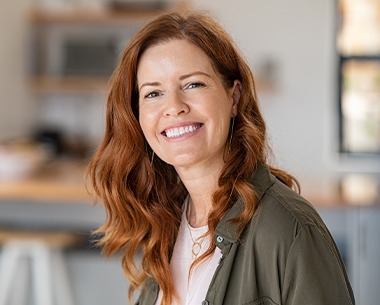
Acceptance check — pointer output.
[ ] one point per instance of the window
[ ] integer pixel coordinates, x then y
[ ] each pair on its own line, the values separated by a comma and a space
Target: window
358, 44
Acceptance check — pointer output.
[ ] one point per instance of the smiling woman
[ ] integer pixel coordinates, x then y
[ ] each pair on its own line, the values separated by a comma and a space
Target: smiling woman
184, 175
185, 110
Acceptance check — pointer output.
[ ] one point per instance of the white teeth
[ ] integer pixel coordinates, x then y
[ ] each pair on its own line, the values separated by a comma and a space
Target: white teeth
178, 132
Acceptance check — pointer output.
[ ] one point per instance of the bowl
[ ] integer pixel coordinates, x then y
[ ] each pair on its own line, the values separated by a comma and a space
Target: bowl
20, 161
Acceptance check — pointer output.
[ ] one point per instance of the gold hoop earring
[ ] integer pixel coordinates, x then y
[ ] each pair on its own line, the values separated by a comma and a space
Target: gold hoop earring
231, 134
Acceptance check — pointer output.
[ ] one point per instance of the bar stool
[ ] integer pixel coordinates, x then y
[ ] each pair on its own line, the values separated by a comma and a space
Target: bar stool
37, 256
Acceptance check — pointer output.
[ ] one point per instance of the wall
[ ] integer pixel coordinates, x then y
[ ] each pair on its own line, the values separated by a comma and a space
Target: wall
299, 37
16, 108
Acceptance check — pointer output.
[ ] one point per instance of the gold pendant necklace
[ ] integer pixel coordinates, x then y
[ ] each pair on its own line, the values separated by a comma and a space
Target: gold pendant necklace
197, 243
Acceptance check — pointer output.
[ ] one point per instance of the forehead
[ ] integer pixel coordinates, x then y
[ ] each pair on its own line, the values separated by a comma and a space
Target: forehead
177, 56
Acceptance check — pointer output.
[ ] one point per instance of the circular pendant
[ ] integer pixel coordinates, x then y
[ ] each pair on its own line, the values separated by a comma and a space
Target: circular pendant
196, 248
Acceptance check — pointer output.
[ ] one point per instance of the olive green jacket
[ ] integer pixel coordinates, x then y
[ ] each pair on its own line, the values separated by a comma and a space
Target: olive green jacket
284, 256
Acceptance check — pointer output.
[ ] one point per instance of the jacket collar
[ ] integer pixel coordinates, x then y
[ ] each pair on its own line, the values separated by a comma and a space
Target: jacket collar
226, 231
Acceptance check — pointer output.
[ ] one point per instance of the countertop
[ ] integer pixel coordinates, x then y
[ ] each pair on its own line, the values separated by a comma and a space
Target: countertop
56, 181
64, 181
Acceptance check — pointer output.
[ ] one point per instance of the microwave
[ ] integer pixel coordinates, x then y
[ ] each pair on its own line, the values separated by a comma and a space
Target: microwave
80, 50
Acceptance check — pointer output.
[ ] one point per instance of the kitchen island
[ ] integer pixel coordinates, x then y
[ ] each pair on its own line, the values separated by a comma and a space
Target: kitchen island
55, 199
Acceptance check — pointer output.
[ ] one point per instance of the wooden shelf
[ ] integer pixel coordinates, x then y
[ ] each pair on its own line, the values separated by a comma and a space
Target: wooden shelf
81, 16
59, 239
59, 181
52, 84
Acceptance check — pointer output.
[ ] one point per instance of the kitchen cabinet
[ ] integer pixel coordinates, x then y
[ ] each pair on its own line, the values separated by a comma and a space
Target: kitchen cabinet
367, 254
71, 55
76, 51
356, 231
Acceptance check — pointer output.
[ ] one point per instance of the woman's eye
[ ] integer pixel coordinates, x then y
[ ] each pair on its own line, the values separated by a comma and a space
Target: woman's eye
195, 85
152, 94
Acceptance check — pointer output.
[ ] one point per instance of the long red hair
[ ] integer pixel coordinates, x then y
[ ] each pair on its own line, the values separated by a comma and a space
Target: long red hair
143, 199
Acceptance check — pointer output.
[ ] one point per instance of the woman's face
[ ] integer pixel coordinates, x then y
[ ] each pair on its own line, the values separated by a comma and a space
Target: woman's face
184, 109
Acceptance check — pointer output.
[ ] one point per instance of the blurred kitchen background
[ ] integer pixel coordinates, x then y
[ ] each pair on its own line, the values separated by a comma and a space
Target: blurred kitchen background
317, 68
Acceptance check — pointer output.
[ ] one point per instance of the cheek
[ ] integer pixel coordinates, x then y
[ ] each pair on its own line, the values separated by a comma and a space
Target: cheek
145, 127
148, 132
147, 121
143, 121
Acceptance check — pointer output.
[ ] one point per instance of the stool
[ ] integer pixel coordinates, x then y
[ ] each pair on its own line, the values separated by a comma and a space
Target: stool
42, 251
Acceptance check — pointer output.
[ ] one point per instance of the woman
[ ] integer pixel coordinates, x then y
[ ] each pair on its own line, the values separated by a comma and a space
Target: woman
184, 176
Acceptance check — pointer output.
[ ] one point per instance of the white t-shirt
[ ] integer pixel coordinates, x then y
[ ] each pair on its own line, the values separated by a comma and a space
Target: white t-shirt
191, 288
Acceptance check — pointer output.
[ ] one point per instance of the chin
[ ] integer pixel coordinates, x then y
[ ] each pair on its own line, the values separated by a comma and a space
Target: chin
180, 162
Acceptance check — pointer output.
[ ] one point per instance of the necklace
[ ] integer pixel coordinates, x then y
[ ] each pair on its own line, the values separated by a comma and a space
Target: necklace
197, 243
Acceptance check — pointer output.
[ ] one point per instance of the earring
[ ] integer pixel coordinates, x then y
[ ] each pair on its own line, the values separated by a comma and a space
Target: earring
231, 134
151, 160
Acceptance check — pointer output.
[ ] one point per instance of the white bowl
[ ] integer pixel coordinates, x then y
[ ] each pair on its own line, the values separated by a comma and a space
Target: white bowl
19, 162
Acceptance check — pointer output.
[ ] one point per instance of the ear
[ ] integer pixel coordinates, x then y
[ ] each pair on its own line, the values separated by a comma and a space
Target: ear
236, 94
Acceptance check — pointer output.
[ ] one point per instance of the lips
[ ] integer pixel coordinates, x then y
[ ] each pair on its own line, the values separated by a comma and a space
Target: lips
180, 131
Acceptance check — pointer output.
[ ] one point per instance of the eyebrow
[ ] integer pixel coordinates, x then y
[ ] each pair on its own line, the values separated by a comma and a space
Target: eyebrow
194, 73
150, 84
181, 78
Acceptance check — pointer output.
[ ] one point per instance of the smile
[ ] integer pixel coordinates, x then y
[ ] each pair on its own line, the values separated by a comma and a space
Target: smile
180, 131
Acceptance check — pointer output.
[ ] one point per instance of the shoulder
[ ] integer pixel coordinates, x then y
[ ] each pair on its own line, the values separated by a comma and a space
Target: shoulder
284, 225
280, 204
282, 208
282, 215
285, 242
289, 231
287, 206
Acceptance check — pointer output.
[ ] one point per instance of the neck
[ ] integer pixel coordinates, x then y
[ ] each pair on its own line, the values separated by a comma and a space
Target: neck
198, 211
201, 186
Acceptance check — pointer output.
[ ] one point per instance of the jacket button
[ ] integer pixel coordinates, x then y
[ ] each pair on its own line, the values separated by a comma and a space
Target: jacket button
205, 302
219, 239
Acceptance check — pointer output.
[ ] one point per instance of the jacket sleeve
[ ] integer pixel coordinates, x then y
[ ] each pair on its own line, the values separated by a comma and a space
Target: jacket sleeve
314, 272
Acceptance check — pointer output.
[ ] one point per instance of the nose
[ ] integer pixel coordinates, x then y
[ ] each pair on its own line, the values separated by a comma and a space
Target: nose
175, 105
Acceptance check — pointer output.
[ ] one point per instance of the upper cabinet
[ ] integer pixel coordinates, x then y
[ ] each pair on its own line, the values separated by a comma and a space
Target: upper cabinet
81, 16
76, 49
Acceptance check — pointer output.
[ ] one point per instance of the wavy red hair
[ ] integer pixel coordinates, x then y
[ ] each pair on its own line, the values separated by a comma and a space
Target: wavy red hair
143, 200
